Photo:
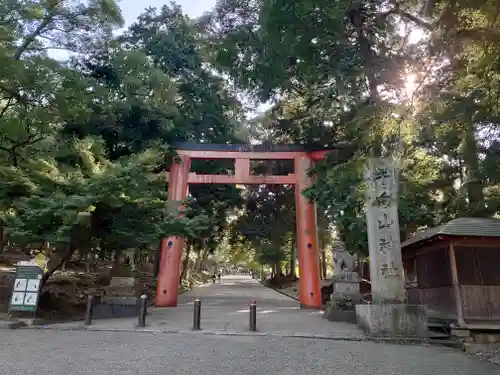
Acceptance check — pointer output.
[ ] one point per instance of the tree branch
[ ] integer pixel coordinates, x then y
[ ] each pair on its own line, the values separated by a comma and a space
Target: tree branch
6, 107
424, 24
408, 16
30, 38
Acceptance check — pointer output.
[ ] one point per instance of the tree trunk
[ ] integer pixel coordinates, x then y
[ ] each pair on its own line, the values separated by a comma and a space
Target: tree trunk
277, 271
116, 258
185, 261
473, 181
143, 260
3, 239
87, 262
365, 37
197, 262
323, 262
293, 257
204, 257
136, 259
157, 260
69, 252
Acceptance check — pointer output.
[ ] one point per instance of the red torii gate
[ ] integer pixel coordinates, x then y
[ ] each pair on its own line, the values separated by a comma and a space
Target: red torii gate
307, 241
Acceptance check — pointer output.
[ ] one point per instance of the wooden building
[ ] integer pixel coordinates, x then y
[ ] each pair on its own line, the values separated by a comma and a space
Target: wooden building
454, 270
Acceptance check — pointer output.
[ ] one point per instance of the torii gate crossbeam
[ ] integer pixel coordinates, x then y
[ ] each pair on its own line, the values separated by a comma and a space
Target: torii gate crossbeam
307, 238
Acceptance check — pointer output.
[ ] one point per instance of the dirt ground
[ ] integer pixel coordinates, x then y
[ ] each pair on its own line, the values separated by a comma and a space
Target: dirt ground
64, 296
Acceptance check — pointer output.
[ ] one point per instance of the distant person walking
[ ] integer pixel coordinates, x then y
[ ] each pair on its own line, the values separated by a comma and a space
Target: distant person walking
219, 276
213, 278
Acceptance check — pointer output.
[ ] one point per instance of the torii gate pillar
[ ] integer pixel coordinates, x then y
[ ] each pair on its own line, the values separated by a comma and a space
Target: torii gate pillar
167, 288
307, 237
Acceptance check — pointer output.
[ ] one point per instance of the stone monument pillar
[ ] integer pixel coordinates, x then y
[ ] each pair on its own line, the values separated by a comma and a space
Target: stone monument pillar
388, 315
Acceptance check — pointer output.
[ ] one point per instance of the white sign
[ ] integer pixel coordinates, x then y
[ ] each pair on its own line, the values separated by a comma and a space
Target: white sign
32, 285
17, 298
30, 299
20, 284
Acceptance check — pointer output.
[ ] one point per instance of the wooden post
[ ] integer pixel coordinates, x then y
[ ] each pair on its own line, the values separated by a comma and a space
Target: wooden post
456, 285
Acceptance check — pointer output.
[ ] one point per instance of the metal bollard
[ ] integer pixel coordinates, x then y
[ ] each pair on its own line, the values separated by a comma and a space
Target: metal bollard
89, 310
143, 311
197, 315
253, 316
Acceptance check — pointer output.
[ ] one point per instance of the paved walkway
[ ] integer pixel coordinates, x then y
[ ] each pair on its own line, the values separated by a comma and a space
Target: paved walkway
225, 310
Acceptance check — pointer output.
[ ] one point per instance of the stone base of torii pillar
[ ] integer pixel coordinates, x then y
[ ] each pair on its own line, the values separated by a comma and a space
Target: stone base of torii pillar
388, 315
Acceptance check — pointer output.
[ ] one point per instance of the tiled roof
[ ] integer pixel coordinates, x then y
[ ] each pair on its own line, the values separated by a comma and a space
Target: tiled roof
464, 226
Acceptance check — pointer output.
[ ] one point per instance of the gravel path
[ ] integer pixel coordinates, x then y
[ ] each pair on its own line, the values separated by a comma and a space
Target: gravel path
58, 352
115, 353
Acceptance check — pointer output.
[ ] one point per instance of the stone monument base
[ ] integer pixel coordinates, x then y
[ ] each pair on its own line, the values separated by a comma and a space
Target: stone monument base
115, 310
335, 313
119, 300
393, 320
345, 297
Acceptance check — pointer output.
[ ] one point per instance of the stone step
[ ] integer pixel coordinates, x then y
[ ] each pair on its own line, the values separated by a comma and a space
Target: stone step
120, 300
124, 288
125, 293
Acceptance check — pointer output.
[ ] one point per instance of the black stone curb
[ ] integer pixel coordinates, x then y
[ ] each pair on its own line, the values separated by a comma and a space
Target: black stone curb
390, 340
13, 325
36, 323
279, 291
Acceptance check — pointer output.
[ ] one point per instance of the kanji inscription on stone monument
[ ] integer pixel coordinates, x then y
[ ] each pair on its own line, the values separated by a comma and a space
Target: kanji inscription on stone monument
383, 233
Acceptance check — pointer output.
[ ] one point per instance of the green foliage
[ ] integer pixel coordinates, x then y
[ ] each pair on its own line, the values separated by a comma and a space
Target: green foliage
85, 143
124, 201
336, 73
265, 221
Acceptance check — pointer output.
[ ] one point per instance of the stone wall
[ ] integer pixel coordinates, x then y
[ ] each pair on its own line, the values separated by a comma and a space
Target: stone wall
482, 344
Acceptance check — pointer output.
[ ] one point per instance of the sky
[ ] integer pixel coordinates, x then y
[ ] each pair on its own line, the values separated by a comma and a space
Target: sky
193, 8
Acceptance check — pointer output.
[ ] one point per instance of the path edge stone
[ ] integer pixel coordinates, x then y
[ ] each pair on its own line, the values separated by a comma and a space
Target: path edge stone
296, 335
279, 291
